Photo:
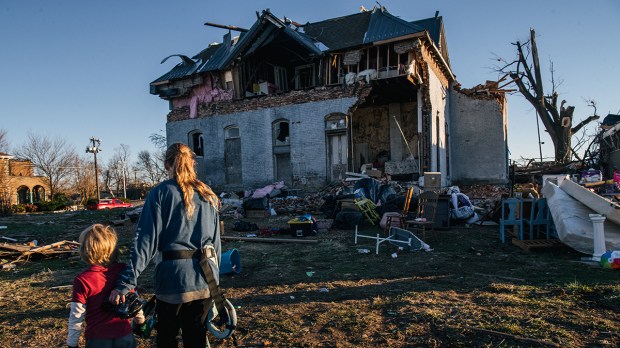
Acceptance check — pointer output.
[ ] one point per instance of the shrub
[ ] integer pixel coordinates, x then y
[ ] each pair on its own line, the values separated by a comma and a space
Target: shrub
30, 208
92, 201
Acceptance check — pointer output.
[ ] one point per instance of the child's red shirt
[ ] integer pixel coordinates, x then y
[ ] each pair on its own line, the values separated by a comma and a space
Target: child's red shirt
91, 288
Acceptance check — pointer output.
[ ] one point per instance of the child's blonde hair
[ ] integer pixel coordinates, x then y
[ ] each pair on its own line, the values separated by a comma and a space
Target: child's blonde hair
98, 245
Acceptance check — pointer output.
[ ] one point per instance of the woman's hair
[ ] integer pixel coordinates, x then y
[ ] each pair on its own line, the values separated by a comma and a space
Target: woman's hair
180, 159
98, 245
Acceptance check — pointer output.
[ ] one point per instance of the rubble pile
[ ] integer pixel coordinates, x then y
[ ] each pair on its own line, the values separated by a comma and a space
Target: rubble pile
485, 196
297, 205
488, 90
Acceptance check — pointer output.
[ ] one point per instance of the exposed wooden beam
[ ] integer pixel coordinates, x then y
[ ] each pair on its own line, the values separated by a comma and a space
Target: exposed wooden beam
229, 27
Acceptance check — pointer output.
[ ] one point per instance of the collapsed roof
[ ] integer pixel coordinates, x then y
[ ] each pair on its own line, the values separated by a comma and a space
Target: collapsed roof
315, 39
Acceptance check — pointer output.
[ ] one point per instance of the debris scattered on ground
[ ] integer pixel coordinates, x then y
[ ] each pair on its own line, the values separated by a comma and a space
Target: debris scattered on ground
23, 252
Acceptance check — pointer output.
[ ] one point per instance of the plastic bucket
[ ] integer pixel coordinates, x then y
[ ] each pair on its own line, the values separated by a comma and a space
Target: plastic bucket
231, 262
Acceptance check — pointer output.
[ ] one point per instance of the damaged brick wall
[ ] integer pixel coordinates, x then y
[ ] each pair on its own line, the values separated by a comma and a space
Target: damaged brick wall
269, 101
307, 136
479, 138
21, 168
205, 93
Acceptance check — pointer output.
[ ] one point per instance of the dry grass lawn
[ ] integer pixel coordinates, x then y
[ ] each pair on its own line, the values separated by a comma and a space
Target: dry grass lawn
471, 291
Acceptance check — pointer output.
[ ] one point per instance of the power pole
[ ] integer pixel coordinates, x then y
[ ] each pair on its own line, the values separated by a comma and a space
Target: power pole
94, 149
124, 186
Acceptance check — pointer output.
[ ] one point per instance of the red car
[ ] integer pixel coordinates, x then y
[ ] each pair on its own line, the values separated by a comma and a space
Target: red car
109, 204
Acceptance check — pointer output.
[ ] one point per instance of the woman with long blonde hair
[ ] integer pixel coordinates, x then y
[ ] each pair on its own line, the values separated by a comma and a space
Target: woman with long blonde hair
178, 228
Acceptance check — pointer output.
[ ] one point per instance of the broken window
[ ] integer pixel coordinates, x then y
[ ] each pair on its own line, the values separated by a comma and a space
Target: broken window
228, 79
335, 121
281, 134
197, 143
304, 76
334, 73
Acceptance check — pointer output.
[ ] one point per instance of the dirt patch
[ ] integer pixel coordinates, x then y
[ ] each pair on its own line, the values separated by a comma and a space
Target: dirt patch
471, 290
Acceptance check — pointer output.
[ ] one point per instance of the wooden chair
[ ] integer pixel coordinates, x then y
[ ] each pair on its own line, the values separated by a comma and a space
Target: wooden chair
512, 215
425, 217
397, 219
539, 217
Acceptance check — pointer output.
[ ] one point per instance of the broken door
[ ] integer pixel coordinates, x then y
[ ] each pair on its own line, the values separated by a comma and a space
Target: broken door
337, 155
282, 151
336, 133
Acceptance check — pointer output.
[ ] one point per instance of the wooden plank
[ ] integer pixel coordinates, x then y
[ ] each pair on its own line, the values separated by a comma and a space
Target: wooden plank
529, 245
271, 240
14, 247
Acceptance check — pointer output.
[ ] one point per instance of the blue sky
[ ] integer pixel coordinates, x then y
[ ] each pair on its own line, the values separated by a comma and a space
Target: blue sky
77, 69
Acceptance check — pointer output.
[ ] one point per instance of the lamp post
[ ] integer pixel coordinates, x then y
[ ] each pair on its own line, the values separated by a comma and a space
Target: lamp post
94, 149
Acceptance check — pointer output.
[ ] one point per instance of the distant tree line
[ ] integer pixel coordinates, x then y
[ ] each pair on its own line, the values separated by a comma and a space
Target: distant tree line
71, 174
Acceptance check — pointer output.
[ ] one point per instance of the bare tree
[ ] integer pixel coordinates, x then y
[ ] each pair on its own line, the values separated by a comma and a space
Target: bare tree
151, 167
525, 72
159, 140
4, 141
116, 170
52, 158
82, 179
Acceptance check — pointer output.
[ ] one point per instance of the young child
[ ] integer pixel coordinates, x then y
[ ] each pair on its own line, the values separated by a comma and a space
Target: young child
92, 287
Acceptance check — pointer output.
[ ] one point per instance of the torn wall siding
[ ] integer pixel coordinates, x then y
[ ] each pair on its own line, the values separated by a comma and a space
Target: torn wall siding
479, 151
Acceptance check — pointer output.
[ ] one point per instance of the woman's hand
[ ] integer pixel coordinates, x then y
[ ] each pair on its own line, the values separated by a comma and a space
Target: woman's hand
116, 297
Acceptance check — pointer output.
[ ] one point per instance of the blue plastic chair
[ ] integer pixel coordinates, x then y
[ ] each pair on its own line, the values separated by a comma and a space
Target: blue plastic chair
512, 215
552, 232
539, 217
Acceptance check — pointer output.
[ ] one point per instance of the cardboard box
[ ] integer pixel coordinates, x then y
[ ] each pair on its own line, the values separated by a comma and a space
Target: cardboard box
432, 181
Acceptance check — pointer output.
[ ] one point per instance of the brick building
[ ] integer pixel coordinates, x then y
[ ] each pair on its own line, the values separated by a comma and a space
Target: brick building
18, 182
305, 103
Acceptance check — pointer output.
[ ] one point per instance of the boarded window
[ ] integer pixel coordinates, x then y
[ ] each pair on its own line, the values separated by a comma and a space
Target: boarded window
232, 132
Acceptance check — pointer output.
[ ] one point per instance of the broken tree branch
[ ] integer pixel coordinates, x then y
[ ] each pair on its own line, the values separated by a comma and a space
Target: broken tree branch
583, 123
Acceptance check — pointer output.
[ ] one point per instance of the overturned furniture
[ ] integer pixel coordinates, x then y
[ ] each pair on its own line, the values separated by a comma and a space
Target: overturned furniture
399, 237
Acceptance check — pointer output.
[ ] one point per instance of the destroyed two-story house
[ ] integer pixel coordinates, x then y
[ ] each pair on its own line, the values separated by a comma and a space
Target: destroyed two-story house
307, 103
